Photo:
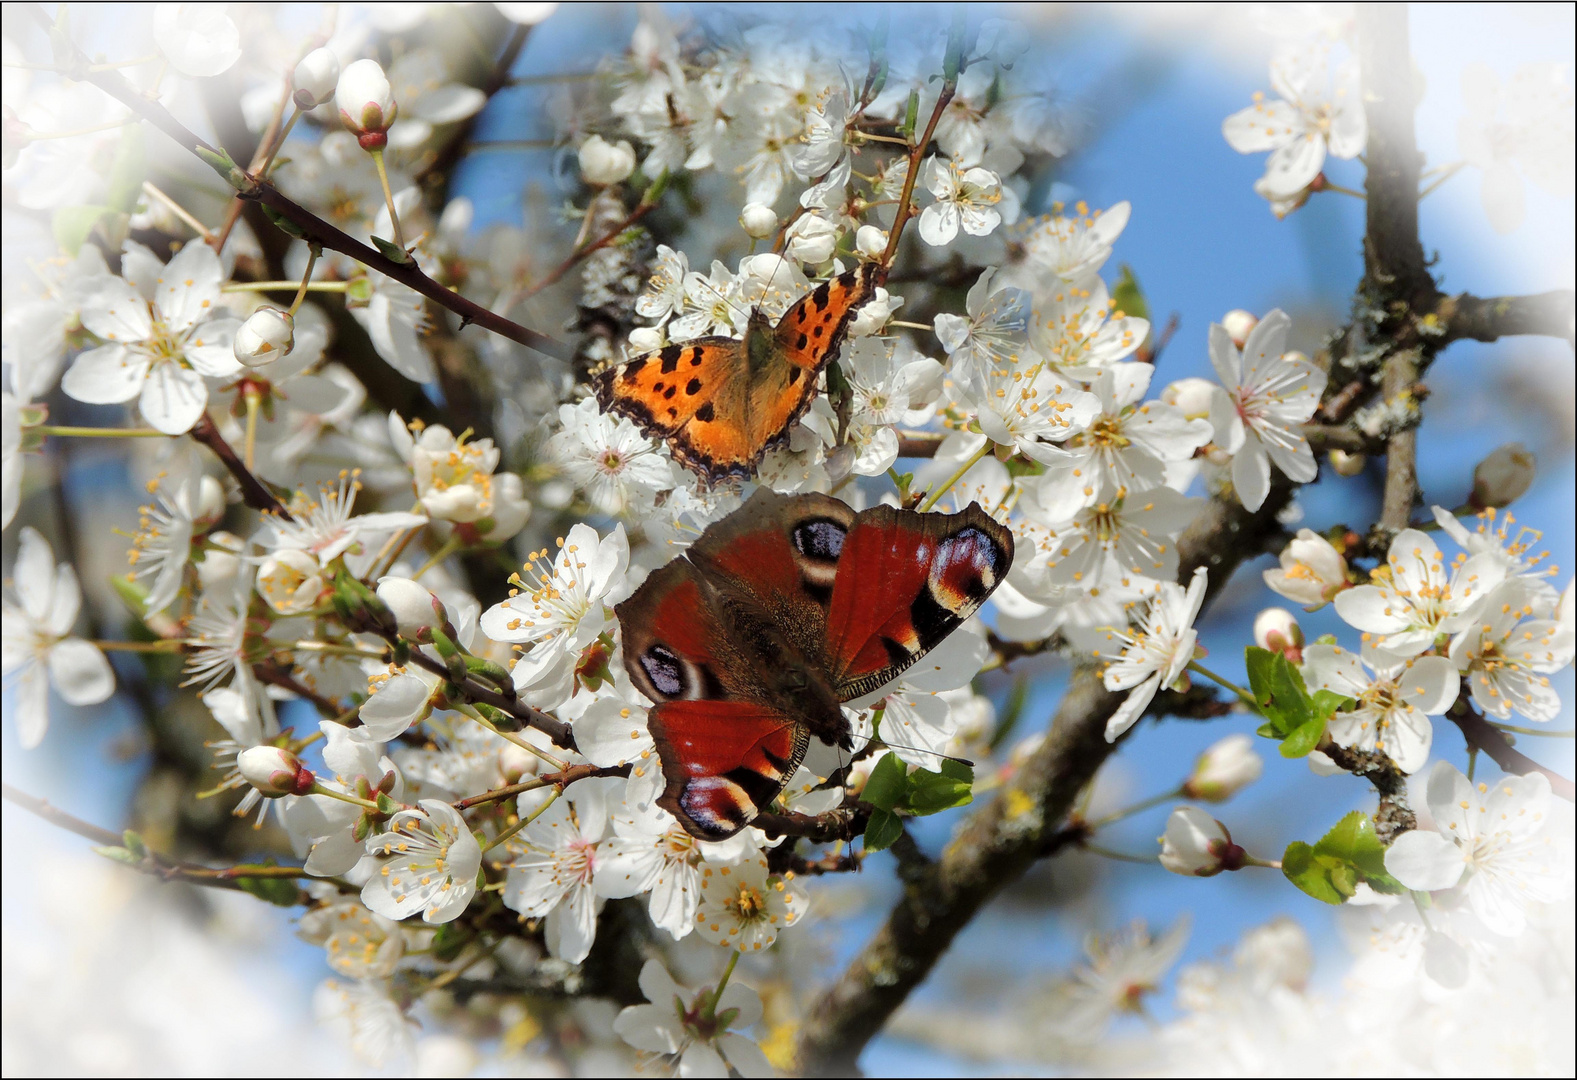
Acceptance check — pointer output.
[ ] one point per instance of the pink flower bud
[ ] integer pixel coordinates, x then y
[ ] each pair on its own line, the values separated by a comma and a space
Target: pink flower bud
315, 78
1276, 629
1197, 845
1225, 769
415, 609
366, 103
274, 771
1239, 324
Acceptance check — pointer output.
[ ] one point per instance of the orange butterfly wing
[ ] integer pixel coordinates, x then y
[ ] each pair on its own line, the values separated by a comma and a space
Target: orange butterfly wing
721, 403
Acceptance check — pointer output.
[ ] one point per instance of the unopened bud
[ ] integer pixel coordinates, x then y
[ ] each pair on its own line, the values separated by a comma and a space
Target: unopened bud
1503, 477
1239, 324
1193, 396
415, 609
516, 763
1276, 629
1346, 464
267, 334
315, 78
870, 241
1225, 769
210, 503
758, 220
645, 339
602, 162
274, 771
366, 103
1197, 845
812, 239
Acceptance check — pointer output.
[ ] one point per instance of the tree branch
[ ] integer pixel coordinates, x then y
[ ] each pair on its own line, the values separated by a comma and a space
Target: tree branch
1001, 839
1482, 735
1480, 318
257, 496
309, 225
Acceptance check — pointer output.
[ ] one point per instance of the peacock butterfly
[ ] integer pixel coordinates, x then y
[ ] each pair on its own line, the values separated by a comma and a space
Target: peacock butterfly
722, 402
750, 642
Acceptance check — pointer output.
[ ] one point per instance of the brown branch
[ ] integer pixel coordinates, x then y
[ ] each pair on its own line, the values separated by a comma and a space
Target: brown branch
817, 828
475, 690
1547, 314
1401, 449
44, 809
309, 225
575, 257
1000, 840
256, 494
1482, 735
275, 676
920, 444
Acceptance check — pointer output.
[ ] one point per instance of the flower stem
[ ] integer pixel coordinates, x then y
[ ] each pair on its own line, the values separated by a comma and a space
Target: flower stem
936, 496
521, 824
166, 645
319, 789
1120, 856
314, 249
1446, 173
1143, 804
280, 141
510, 736
254, 406
446, 549
388, 198
98, 433
281, 286
1343, 190
1248, 698
1533, 731
179, 211
1249, 860
722, 984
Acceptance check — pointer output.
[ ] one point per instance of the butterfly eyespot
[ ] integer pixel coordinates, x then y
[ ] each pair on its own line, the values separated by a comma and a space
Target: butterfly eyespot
821, 540
666, 671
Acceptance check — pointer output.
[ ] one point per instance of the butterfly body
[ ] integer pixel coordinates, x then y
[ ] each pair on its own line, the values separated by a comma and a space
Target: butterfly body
722, 402
781, 612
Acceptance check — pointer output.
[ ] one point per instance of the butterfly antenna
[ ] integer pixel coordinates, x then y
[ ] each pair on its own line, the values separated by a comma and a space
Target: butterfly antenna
918, 750
724, 298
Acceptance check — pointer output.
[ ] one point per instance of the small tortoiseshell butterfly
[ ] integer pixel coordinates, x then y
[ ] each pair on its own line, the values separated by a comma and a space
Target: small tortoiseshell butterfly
722, 402
750, 642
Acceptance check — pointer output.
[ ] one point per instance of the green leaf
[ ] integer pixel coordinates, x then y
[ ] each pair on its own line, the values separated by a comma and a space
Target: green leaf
284, 224
1127, 294
72, 225
127, 171
449, 940
391, 251
1278, 690
1304, 738
887, 785
1303, 870
281, 892
1267, 730
1353, 840
119, 854
933, 792
883, 830
134, 843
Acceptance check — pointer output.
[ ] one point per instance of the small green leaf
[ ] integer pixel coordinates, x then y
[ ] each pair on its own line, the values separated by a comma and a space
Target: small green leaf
1127, 294
449, 940
933, 792
1354, 841
1267, 730
391, 251
119, 854
1304, 738
887, 784
134, 843
1278, 689
883, 830
284, 224
1301, 868
281, 892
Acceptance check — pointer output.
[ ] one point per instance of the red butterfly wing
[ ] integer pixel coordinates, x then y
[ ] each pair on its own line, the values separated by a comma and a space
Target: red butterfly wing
724, 761
905, 581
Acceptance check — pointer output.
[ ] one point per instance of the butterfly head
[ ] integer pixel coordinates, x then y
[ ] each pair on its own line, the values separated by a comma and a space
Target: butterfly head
794, 684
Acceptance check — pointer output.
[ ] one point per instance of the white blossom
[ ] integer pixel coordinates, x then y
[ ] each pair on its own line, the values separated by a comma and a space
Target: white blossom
1506, 657
1311, 118
619, 469
1392, 707
1312, 571
965, 199
1272, 393
670, 1026
1528, 123
1495, 844
1155, 653
1417, 601
426, 862
555, 863
743, 907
